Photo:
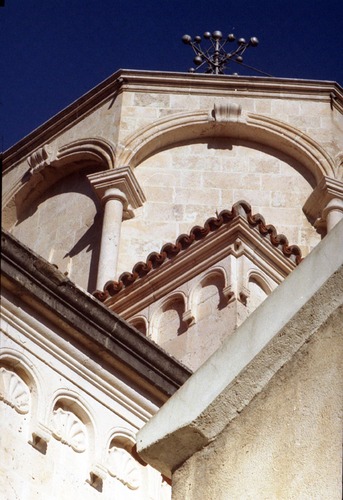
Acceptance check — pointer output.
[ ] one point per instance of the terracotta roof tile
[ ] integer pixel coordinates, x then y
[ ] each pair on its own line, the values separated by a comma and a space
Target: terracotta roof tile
184, 241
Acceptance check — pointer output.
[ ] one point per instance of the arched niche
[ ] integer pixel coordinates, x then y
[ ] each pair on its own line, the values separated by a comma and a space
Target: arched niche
19, 403
140, 323
15, 390
63, 226
191, 166
15, 362
121, 461
267, 131
71, 423
168, 321
47, 167
259, 289
208, 297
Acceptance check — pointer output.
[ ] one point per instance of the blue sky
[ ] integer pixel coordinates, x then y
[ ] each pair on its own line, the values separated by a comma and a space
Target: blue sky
52, 52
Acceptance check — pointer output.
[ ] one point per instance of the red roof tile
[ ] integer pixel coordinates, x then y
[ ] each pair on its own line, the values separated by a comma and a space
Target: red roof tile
184, 241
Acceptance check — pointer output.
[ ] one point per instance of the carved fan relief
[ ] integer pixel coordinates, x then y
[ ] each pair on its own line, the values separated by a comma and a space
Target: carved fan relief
68, 428
122, 466
14, 391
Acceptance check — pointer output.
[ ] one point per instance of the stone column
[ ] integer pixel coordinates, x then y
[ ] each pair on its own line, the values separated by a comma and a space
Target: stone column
324, 207
119, 193
333, 213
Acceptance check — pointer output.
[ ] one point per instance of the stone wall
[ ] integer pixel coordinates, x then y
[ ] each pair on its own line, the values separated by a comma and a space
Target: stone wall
262, 417
287, 443
187, 184
197, 145
63, 226
66, 416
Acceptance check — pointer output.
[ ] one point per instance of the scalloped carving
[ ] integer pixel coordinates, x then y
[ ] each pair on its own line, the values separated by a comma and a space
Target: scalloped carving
68, 428
123, 467
14, 392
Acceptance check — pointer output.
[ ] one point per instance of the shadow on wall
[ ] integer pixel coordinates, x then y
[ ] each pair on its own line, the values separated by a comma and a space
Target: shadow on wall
63, 225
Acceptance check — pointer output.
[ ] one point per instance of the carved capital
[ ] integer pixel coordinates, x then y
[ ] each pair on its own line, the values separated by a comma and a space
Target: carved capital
320, 202
229, 293
121, 183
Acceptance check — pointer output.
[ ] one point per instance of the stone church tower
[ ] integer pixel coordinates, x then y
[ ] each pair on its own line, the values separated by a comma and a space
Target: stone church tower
165, 224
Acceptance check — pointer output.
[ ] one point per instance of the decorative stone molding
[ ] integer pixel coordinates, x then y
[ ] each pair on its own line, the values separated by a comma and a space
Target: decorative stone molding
14, 392
324, 207
257, 128
244, 295
68, 428
185, 242
40, 159
229, 294
95, 148
226, 112
123, 467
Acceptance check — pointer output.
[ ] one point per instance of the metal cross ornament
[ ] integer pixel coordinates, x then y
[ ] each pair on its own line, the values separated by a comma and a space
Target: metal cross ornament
216, 58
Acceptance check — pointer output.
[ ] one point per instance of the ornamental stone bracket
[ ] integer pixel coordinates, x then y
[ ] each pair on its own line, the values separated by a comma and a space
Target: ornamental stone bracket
119, 193
40, 438
97, 475
325, 204
41, 158
226, 112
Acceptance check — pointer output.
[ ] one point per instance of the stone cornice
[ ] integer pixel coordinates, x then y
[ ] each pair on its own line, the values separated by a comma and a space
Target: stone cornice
88, 323
203, 247
149, 81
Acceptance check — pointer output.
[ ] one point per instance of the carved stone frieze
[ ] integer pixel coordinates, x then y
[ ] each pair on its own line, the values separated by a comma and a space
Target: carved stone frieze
122, 466
14, 391
68, 428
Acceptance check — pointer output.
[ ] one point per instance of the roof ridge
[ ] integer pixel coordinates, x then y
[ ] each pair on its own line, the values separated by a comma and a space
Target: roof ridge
184, 241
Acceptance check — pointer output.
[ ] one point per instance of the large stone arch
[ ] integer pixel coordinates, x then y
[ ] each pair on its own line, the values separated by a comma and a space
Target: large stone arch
46, 166
228, 121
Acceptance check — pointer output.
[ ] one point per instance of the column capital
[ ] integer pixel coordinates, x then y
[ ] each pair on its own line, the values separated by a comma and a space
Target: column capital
121, 179
320, 201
